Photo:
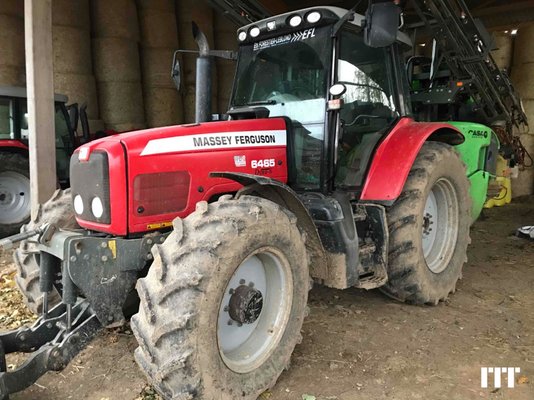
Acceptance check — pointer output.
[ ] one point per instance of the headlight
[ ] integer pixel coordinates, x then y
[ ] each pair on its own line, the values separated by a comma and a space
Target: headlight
97, 207
313, 17
254, 31
78, 204
242, 36
295, 20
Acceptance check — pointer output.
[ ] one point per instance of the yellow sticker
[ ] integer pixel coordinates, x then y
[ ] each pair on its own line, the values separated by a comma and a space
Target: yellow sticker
112, 244
159, 225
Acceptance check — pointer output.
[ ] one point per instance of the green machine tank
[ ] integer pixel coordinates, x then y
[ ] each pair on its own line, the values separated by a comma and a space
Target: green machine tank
479, 153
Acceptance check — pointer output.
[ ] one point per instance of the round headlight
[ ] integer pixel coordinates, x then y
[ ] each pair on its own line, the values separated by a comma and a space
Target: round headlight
313, 17
78, 204
254, 31
242, 36
96, 207
295, 20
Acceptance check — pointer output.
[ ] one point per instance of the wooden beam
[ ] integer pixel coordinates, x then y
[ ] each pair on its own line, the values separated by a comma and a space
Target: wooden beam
40, 92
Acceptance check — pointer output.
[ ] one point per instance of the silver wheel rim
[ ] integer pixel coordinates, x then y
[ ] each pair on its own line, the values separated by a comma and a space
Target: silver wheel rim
246, 346
14, 197
440, 225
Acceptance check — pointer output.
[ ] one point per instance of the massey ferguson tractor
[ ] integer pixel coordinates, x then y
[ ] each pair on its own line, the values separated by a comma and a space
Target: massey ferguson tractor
14, 152
212, 233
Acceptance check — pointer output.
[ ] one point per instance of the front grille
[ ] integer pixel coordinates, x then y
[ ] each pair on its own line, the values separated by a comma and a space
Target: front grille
90, 179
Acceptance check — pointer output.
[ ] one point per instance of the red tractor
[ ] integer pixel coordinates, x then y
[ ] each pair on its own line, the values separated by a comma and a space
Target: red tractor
319, 174
14, 163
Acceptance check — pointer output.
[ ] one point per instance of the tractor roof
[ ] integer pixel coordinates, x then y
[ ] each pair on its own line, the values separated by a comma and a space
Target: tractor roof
20, 92
332, 12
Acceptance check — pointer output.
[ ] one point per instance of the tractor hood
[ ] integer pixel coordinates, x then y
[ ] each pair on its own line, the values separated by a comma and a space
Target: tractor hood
142, 180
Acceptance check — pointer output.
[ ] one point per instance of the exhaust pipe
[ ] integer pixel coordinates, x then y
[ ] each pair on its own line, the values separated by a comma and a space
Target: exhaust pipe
203, 77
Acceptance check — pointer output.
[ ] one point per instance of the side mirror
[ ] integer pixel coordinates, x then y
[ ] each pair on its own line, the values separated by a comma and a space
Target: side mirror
176, 71
73, 116
381, 24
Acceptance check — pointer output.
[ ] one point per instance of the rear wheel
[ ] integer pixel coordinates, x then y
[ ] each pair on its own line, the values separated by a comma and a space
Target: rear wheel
429, 228
223, 303
56, 211
14, 192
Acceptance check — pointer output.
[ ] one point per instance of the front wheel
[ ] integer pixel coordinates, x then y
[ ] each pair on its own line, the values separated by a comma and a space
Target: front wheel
429, 228
223, 302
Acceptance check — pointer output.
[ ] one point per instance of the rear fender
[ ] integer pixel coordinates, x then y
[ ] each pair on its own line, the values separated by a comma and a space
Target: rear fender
13, 146
284, 196
396, 154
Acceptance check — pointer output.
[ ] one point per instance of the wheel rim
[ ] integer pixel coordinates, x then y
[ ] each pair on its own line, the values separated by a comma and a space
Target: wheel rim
14, 197
440, 225
254, 310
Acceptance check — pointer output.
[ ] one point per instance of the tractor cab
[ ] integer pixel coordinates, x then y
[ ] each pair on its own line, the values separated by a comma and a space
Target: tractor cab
286, 68
14, 126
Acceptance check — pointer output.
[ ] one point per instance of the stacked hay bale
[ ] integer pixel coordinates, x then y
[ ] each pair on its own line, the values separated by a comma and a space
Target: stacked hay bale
200, 12
12, 60
225, 39
523, 78
115, 36
73, 66
159, 39
503, 50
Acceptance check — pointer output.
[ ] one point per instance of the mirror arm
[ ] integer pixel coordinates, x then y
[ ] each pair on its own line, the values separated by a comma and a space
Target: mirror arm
347, 17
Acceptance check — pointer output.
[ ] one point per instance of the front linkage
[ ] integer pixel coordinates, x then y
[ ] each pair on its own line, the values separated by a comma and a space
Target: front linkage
102, 270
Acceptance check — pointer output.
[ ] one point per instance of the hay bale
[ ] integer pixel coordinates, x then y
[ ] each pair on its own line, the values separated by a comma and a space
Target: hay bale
12, 41
121, 102
528, 105
96, 125
158, 28
523, 185
156, 65
116, 60
163, 107
73, 13
12, 76
523, 49
117, 18
14, 8
72, 50
162, 5
503, 52
523, 79
79, 88
126, 127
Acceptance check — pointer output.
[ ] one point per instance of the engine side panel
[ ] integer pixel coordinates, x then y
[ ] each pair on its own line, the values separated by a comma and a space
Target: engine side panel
252, 146
396, 154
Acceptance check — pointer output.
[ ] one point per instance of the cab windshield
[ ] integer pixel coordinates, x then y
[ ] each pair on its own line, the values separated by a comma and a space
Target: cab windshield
288, 68
289, 75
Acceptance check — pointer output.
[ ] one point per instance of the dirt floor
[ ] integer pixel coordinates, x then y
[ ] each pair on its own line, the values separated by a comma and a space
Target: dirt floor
361, 345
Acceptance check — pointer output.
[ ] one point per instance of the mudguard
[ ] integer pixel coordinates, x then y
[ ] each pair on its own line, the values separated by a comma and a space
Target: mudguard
13, 146
396, 154
283, 195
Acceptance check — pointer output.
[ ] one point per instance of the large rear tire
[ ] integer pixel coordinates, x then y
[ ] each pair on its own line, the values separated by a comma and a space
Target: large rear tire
57, 211
429, 228
223, 303
15, 204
